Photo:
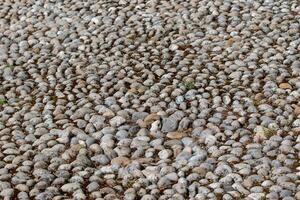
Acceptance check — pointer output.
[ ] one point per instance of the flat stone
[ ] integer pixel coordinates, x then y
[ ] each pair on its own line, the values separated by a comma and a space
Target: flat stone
176, 135
256, 196
117, 121
169, 124
297, 110
151, 118
138, 115
70, 187
121, 160
285, 86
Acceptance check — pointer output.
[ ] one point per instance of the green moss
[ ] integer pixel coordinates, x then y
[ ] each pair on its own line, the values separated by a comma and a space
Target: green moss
265, 132
10, 66
189, 85
3, 101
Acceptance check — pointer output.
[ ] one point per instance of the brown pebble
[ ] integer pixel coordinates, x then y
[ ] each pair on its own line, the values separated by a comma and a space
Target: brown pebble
121, 160
285, 86
297, 110
176, 135
151, 118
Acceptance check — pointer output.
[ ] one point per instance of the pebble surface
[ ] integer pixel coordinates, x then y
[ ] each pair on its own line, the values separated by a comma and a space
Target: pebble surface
150, 100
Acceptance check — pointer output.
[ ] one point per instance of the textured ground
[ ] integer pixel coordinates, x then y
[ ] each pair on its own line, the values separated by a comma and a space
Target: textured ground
105, 99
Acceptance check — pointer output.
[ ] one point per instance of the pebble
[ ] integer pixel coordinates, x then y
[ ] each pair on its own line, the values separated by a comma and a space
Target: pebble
169, 124
285, 86
149, 119
164, 154
120, 161
176, 135
117, 121
70, 187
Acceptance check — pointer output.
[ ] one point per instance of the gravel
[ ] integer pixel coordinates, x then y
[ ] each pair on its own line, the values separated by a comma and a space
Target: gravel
149, 100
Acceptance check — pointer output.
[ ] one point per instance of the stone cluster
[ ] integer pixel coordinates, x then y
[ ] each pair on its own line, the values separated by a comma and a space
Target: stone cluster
150, 100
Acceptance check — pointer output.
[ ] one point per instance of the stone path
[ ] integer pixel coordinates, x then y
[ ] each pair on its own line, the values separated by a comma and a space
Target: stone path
150, 100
